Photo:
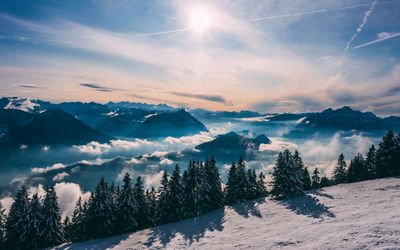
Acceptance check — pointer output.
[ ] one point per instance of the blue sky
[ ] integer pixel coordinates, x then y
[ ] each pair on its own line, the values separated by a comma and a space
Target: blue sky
281, 55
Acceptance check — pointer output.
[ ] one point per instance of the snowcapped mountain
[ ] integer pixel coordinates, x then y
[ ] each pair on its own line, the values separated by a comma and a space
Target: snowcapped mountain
346, 216
23, 104
177, 123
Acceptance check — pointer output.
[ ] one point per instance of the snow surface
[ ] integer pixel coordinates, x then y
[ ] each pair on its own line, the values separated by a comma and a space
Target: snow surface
347, 216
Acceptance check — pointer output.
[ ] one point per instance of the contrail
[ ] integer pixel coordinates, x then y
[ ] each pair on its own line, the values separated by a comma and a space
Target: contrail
377, 40
359, 29
259, 19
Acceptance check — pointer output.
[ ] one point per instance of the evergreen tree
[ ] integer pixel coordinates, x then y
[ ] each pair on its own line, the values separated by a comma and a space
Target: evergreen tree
51, 227
251, 185
386, 164
175, 195
261, 189
79, 222
287, 176
142, 211
2, 227
242, 180
340, 172
162, 216
67, 229
315, 179
127, 207
101, 221
17, 220
325, 182
231, 186
357, 170
370, 162
31, 237
152, 204
306, 179
214, 192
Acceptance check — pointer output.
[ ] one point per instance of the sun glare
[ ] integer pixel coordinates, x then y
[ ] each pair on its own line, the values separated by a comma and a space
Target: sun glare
200, 19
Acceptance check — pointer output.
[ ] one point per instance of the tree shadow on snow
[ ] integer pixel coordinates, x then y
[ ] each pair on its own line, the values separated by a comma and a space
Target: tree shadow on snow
190, 229
307, 205
104, 243
319, 193
248, 208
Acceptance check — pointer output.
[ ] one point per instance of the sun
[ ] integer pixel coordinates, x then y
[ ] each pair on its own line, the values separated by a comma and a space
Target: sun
200, 19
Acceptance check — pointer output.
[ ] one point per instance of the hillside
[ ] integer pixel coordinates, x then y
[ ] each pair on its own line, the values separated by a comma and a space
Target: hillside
347, 216
176, 124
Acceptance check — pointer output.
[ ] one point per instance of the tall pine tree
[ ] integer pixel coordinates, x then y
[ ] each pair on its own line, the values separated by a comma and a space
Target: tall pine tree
31, 236
357, 170
231, 185
386, 164
370, 162
17, 220
340, 171
162, 216
127, 207
142, 211
315, 179
51, 227
175, 195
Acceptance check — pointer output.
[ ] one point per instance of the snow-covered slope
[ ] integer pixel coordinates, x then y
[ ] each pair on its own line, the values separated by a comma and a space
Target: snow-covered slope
347, 216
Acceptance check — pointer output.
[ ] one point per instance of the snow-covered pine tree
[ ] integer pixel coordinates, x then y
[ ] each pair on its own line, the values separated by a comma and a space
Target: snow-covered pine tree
2, 227
17, 220
357, 170
215, 193
67, 229
142, 212
231, 185
340, 171
261, 188
251, 185
52, 233
315, 179
126, 207
386, 164
325, 182
101, 221
162, 216
287, 176
151, 200
297, 171
79, 222
201, 189
30, 238
175, 195
370, 162
242, 180
306, 179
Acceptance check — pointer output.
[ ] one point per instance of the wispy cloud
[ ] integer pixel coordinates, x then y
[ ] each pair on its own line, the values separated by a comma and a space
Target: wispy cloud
29, 86
381, 37
96, 87
213, 98
361, 26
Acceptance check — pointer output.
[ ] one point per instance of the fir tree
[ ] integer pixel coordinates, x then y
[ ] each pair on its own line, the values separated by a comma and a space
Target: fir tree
287, 176
231, 186
2, 227
370, 162
251, 185
162, 216
340, 172
325, 182
214, 192
357, 170
17, 220
127, 207
67, 229
79, 222
306, 179
175, 195
152, 204
261, 189
142, 211
31, 237
386, 164
315, 179
52, 230
101, 220
242, 180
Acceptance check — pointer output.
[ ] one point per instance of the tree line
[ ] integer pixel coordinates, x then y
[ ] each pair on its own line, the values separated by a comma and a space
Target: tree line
35, 222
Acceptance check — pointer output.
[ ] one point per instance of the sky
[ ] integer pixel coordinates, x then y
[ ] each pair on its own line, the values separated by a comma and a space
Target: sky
266, 56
